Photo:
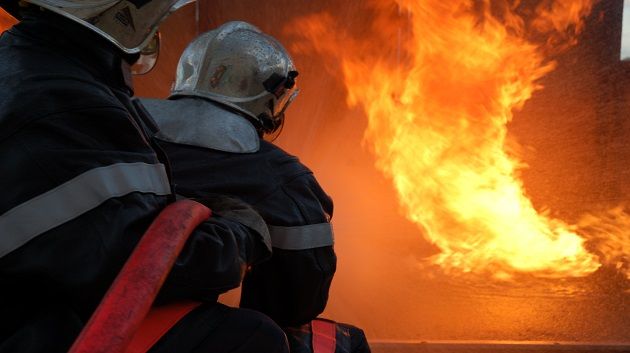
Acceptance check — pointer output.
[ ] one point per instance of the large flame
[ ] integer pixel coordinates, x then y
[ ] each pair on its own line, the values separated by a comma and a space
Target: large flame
439, 91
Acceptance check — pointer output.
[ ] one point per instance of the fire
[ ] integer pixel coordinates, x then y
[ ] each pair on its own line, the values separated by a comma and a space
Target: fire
439, 86
608, 235
6, 21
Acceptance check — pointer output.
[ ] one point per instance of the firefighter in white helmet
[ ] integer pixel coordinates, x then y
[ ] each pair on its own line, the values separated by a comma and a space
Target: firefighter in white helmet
81, 182
232, 89
242, 69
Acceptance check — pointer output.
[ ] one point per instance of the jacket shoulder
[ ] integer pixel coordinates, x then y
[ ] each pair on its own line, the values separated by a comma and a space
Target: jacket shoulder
35, 84
282, 162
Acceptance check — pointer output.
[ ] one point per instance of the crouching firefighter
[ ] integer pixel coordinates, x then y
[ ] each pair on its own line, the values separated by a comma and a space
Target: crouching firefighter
232, 88
81, 183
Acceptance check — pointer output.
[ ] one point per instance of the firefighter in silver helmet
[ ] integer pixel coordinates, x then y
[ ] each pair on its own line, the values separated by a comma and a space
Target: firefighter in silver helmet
242, 69
82, 181
232, 88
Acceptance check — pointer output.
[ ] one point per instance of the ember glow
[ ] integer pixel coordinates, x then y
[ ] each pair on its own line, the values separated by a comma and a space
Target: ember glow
6, 21
439, 83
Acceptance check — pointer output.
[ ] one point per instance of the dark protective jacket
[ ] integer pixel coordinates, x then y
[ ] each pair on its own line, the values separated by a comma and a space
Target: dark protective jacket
80, 184
214, 151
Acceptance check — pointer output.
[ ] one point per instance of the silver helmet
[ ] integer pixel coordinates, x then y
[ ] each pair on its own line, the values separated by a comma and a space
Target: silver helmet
240, 67
129, 24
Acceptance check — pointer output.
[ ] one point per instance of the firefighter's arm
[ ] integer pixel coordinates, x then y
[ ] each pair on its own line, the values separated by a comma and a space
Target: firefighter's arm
292, 287
217, 254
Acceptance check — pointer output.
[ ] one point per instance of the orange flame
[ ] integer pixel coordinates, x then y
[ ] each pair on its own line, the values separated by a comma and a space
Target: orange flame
6, 21
608, 236
438, 99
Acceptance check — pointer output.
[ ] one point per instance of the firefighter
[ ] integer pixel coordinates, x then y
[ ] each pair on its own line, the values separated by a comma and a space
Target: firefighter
81, 182
232, 87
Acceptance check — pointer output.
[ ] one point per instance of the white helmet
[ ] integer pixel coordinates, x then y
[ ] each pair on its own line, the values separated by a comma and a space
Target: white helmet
129, 24
240, 67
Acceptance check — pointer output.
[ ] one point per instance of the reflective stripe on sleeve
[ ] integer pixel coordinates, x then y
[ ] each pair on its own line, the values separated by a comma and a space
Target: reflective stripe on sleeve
77, 196
302, 237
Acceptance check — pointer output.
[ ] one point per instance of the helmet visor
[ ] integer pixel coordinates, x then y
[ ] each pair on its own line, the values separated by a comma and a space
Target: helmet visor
281, 106
285, 100
148, 56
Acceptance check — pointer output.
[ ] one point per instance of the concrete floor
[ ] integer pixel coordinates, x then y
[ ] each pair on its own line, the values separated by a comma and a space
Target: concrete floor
495, 347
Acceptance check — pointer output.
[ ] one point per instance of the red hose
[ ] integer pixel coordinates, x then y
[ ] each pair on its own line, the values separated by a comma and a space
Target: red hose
130, 297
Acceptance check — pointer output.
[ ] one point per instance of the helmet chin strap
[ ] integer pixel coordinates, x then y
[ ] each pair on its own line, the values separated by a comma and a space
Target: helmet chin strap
274, 135
269, 124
